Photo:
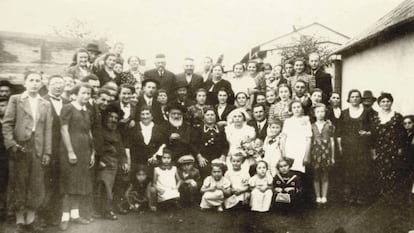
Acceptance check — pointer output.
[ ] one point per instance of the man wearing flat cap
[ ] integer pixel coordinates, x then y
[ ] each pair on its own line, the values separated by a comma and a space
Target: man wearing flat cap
164, 77
178, 132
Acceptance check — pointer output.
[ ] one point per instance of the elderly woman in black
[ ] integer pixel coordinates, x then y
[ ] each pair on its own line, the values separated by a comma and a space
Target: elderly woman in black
209, 142
388, 143
354, 145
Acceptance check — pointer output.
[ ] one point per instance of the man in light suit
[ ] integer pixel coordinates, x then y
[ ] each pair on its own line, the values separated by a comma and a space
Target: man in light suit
160, 74
27, 131
191, 80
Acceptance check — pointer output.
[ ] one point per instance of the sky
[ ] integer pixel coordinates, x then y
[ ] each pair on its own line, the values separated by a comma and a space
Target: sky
185, 28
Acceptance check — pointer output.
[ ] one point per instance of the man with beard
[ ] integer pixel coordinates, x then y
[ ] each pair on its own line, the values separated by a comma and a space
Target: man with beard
50, 210
178, 132
113, 154
191, 80
181, 94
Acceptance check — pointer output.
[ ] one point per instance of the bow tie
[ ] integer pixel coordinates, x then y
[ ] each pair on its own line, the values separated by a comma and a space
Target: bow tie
55, 98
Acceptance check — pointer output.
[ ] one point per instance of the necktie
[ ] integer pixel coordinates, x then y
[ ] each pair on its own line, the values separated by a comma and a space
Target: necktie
55, 98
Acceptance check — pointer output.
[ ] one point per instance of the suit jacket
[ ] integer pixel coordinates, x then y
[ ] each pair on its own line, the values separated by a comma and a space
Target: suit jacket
56, 135
195, 83
104, 78
212, 95
167, 81
18, 123
155, 109
259, 133
226, 112
141, 152
324, 82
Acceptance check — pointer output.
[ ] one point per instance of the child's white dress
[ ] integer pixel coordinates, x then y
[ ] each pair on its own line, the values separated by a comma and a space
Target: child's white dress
213, 198
167, 181
238, 180
273, 153
297, 130
261, 201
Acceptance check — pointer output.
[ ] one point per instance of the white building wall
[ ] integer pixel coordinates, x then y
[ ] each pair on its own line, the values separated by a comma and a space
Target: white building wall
387, 67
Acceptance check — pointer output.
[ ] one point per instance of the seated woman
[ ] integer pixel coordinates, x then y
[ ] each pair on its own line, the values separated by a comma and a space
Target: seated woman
286, 185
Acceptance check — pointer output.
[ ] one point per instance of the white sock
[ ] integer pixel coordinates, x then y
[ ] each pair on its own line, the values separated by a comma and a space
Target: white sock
74, 214
65, 217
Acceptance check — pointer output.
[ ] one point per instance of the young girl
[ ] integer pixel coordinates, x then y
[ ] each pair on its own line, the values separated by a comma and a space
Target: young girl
287, 185
77, 157
270, 97
190, 178
239, 180
261, 188
273, 145
215, 187
138, 193
322, 153
280, 110
166, 180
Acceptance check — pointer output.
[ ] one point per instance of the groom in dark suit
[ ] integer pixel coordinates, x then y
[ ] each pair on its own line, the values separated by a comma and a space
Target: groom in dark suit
160, 74
191, 80
259, 122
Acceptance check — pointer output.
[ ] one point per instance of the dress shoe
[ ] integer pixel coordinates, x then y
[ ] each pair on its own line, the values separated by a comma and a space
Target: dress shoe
63, 226
81, 221
110, 215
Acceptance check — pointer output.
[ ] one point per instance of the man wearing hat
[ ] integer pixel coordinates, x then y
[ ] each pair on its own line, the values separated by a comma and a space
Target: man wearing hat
368, 100
178, 132
191, 80
5, 89
164, 77
149, 90
181, 95
94, 52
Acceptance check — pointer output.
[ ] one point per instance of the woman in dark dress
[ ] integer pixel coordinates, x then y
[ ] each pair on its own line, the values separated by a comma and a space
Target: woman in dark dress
354, 145
388, 143
209, 142
108, 74
216, 83
196, 112
223, 109
77, 156
408, 153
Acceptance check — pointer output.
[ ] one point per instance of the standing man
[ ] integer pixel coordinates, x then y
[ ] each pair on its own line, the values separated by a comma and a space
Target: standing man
5, 89
51, 211
27, 131
206, 73
323, 79
4, 165
191, 80
289, 71
259, 121
94, 52
149, 88
160, 74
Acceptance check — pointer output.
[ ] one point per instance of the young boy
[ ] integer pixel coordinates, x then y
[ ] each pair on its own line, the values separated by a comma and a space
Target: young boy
287, 186
190, 180
27, 131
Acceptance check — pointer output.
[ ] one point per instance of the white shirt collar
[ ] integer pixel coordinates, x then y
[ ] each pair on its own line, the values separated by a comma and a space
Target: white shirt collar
26, 95
148, 98
78, 106
150, 125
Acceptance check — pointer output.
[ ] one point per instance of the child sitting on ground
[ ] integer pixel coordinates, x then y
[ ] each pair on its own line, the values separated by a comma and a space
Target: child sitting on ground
239, 180
166, 180
190, 178
215, 187
286, 185
261, 188
138, 192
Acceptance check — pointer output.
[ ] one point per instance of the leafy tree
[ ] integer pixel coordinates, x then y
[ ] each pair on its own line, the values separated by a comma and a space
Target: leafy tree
302, 47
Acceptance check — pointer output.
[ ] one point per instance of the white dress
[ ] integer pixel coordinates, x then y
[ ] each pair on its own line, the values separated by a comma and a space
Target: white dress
214, 198
261, 201
273, 153
166, 181
234, 137
297, 130
239, 180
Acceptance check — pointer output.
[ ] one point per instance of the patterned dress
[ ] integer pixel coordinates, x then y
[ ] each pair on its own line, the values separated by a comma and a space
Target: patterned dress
388, 139
321, 152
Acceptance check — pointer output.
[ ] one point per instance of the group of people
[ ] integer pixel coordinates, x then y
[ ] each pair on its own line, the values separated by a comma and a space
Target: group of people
101, 140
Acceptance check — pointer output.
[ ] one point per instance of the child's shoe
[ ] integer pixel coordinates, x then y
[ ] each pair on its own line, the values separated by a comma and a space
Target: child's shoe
220, 209
324, 200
